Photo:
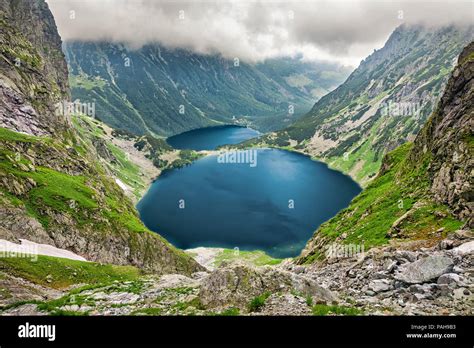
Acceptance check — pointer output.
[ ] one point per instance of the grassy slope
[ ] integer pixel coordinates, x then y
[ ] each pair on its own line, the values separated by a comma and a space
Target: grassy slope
257, 257
72, 194
63, 273
92, 201
129, 173
122, 167
398, 203
400, 188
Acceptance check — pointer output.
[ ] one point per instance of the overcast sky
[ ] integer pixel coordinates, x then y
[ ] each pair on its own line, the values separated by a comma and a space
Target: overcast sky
345, 31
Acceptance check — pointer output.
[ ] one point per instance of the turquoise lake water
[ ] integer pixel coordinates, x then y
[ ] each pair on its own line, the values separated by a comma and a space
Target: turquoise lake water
274, 201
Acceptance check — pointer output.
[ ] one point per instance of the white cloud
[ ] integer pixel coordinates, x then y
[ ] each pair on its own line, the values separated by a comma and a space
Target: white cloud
345, 31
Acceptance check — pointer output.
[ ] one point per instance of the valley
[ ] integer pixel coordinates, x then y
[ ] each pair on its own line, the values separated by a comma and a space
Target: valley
283, 188
205, 203
179, 91
383, 103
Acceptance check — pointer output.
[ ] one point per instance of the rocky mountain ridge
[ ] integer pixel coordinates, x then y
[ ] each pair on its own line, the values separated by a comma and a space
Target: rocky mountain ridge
448, 138
178, 90
383, 104
33, 70
53, 190
423, 190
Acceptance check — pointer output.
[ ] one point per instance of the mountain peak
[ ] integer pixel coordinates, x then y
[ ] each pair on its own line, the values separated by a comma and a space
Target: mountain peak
448, 139
33, 72
382, 104
424, 190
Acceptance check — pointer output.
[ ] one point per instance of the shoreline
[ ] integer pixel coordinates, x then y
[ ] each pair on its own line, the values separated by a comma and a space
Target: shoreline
209, 254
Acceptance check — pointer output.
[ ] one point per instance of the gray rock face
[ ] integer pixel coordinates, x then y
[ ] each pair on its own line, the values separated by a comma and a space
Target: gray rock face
239, 283
446, 136
424, 270
465, 249
405, 255
286, 304
449, 278
380, 285
31, 86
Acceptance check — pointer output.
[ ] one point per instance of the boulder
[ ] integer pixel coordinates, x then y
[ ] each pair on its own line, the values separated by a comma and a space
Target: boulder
416, 289
424, 270
465, 249
449, 278
446, 244
405, 255
391, 266
308, 287
299, 269
285, 304
237, 284
380, 285
463, 234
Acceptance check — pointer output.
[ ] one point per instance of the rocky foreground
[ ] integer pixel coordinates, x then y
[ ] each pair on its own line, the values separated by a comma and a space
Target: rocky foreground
55, 189
404, 279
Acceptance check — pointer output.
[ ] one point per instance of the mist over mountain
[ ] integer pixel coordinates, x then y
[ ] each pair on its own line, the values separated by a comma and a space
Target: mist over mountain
164, 92
343, 31
392, 238
382, 104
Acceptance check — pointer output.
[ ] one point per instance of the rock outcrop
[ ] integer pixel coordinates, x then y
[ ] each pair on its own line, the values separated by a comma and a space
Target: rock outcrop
33, 71
424, 191
53, 189
424, 270
448, 139
237, 284
404, 279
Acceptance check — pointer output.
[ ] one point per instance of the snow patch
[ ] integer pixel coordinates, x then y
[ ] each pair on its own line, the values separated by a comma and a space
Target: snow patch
121, 184
31, 248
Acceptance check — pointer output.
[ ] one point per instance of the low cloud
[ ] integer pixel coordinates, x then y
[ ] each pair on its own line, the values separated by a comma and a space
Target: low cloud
345, 31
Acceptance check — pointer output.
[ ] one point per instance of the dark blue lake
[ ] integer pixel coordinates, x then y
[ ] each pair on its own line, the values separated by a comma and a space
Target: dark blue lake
211, 137
274, 205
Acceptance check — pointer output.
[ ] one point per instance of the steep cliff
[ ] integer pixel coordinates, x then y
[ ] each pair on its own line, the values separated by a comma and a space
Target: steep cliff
33, 72
448, 139
167, 91
53, 189
383, 103
424, 190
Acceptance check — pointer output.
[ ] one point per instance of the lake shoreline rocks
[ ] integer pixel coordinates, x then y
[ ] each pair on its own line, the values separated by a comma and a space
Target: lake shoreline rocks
277, 200
405, 279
